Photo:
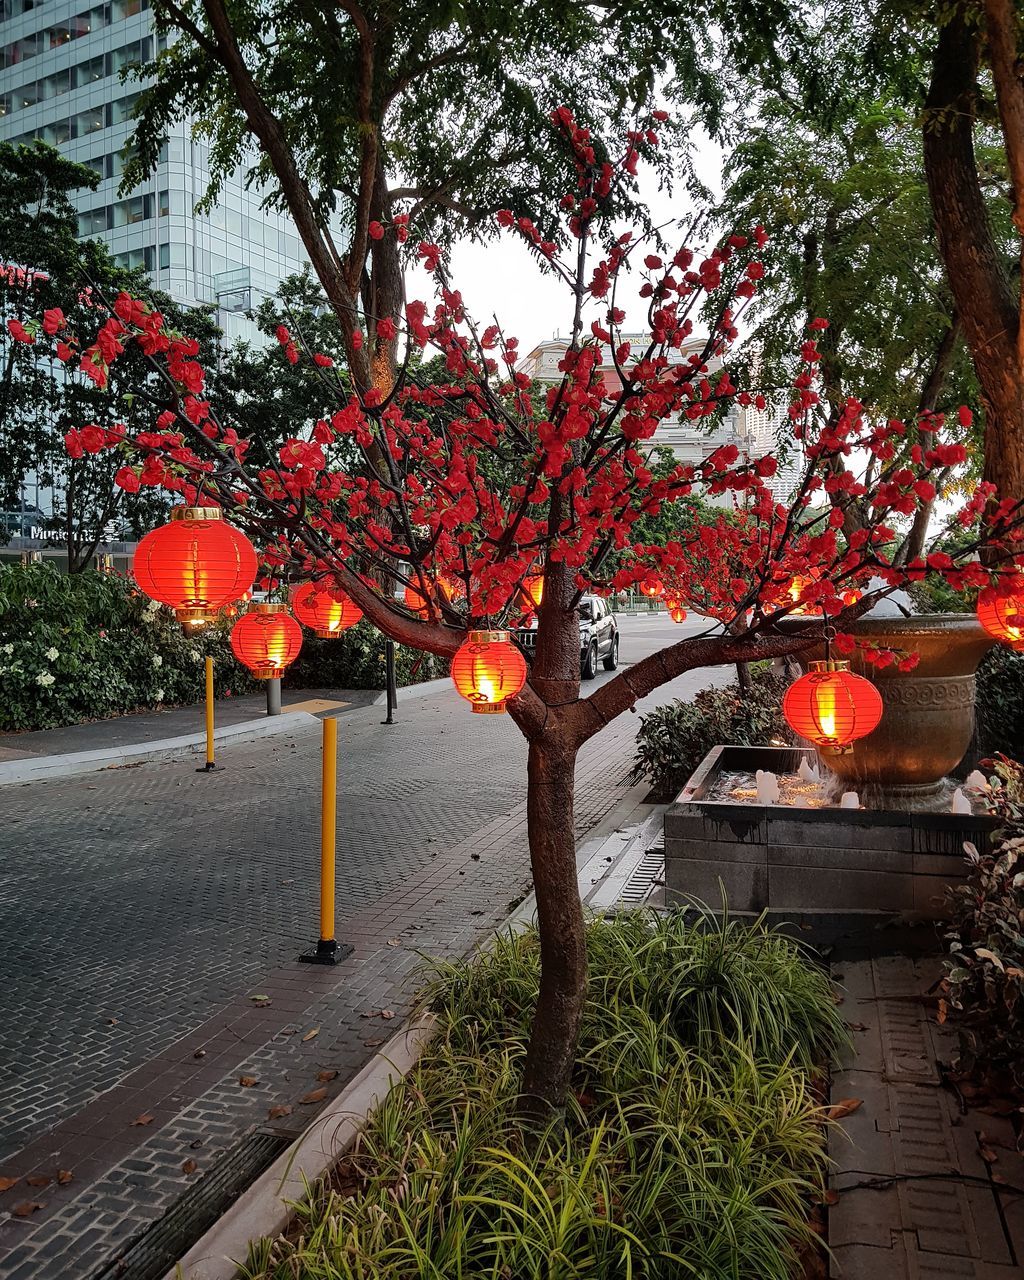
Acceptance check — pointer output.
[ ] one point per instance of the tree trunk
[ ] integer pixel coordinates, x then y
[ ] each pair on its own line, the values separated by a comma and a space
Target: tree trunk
978, 277
743, 678
563, 952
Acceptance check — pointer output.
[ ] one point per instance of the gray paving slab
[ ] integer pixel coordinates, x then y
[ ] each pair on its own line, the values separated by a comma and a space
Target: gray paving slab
916, 1197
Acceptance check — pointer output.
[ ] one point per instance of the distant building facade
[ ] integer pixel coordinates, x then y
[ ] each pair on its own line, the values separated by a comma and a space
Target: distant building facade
59, 82
751, 430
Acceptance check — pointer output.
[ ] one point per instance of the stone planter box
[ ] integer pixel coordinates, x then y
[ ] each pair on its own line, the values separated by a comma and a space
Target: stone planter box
785, 859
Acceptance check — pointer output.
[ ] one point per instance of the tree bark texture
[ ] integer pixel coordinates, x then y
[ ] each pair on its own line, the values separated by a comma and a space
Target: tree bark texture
984, 295
563, 951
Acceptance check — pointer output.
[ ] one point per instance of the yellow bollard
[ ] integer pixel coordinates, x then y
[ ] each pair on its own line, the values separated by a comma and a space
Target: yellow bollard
328, 950
209, 766
328, 827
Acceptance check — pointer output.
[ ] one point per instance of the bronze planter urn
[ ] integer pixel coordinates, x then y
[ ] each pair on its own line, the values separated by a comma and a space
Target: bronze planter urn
928, 713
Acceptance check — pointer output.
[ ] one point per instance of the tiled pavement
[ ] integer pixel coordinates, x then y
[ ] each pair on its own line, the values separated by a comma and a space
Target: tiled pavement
143, 908
928, 1185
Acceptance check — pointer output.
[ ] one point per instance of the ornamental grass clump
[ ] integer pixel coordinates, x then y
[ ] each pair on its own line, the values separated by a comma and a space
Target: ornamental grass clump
691, 1145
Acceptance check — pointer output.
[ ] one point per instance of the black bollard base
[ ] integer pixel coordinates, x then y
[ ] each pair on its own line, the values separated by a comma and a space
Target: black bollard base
327, 952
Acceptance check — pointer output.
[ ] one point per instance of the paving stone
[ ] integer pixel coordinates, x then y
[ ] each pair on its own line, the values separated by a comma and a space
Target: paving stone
185, 894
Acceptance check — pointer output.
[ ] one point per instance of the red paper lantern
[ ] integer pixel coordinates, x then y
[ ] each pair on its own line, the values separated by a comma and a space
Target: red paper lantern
266, 640
488, 670
196, 564
652, 587
832, 707
416, 602
533, 591
1002, 617
677, 613
325, 610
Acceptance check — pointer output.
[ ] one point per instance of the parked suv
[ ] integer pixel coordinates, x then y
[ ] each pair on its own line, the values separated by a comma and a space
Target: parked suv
599, 637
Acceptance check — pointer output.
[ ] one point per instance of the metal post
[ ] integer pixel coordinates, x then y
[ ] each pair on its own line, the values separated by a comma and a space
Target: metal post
328, 950
274, 696
389, 655
209, 766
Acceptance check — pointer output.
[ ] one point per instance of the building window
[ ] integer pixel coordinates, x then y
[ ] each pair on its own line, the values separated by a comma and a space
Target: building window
164, 204
165, 257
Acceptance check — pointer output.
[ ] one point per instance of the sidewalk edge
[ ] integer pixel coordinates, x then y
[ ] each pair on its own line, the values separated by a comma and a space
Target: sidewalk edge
267, 1205
69, 764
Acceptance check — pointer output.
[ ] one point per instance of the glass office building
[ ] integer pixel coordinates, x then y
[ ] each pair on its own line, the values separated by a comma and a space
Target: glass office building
59, 81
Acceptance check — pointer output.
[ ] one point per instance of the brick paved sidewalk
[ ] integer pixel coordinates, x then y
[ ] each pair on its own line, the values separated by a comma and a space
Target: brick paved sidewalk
144, 909
174, 722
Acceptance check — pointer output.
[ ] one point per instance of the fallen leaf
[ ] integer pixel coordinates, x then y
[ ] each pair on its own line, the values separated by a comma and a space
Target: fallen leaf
39, 1180
247, 1082
7, 1183
372, 1044
260, 999
943, 1012
112, 1022
278, 1112
311, 1034
830, 1197
387, 1014
845, 1107
145, 1118
197, 1142
64, 1176
199, 1053
987, 1154
317, 1095
394, 942
326, 1075
26, 1208
857, 1026
190, 1166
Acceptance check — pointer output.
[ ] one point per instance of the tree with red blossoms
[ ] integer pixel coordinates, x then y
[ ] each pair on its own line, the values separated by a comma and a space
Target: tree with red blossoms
468, 487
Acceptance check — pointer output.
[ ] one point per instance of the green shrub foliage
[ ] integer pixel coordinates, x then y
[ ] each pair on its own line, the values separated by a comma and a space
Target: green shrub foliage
984, 985
675, 738
1000, 704
88, 645
691, 1145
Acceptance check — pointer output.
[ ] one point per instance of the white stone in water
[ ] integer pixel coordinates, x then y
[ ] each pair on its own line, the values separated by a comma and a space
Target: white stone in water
767, 787
850, 800
808, 772
960, 802
976, 781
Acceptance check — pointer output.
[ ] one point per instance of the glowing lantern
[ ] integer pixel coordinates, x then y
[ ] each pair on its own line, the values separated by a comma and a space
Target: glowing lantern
1002, 617
832, 707
415, 601
325, 610
533, 591
796, 589
196, 564
266, 640
488, 670
651, 587
677, 613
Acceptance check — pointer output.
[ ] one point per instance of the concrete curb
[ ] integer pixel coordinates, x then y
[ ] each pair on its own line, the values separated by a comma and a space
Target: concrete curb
265, 1208
39, 768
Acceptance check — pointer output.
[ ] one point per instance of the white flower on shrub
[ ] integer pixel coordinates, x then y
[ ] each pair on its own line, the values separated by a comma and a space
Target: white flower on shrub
51, 654
159, 695
157, 660
195, 655
8, 649
45, 679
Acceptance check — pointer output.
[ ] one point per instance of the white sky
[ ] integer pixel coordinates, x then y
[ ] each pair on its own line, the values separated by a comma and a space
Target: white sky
502, 277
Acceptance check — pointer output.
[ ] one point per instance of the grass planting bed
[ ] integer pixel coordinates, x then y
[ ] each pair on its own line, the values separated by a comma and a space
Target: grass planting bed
692, 1144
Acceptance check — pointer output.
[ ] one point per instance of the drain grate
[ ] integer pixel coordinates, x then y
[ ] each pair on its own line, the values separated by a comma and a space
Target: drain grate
651, 867
153, 1254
